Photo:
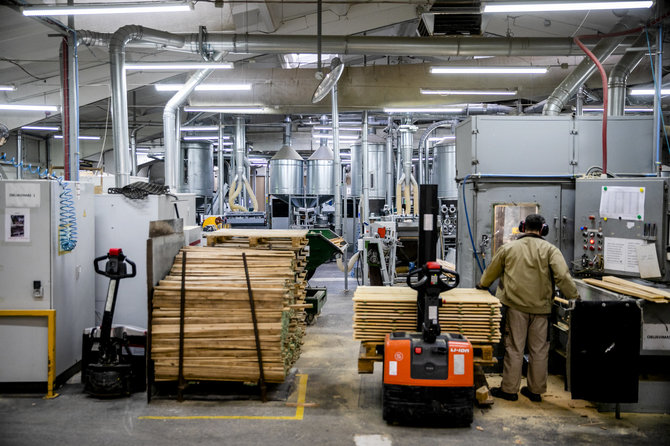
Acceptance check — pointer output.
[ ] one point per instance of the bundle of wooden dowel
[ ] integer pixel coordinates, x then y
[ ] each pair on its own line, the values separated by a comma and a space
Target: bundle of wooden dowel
219, 340
381, 310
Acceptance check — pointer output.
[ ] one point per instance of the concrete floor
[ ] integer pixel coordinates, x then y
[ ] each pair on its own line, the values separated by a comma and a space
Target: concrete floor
342, 408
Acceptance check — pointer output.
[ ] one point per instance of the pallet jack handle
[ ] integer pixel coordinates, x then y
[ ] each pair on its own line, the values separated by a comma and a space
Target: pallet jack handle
429, 286
115, 269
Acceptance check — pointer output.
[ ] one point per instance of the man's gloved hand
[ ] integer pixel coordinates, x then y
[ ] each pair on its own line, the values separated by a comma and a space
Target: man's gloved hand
481, 287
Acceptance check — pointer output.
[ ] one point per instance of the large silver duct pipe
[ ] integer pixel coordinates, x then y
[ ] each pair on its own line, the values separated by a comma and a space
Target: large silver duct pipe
392, 46
618, 78
560, 96
423, 158
170, 135
117, 55
221, 182
287, 131
337, 162
406, 147
366, 173
240, 146
389, 165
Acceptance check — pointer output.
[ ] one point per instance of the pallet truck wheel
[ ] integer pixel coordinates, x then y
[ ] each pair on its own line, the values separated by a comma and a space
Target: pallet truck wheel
310, 318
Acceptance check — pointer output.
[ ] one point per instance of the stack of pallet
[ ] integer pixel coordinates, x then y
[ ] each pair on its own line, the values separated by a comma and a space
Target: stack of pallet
219, 341
630, 288
381, 310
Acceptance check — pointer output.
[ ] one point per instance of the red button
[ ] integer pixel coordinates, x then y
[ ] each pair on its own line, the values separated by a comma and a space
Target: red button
418, 350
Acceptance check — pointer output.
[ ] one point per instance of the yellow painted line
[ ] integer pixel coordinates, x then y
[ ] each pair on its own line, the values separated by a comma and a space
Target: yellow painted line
299, 412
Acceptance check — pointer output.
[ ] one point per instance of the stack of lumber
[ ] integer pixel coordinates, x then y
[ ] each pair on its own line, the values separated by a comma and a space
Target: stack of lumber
630, 288
381, 310
219, 341
290, 240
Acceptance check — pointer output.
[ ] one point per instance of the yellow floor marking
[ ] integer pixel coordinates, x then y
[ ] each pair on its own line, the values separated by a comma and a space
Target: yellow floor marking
299, 412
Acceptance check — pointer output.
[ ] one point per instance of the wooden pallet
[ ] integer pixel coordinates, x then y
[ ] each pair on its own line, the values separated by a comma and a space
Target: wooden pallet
370, 352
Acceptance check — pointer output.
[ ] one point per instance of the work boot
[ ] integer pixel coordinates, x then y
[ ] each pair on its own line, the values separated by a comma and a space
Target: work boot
499, 393
534, 397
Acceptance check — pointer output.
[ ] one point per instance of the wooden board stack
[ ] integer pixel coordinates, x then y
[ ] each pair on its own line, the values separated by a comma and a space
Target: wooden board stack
630, 288
219, 342
381, 310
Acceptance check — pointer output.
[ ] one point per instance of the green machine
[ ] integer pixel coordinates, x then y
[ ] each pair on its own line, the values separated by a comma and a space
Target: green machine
322, 243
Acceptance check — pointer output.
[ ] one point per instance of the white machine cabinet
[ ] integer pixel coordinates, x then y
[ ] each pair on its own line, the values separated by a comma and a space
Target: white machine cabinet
35, 275
123, 223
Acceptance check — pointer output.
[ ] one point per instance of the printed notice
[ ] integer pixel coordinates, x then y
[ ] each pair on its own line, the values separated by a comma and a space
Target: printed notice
393, 368
23, 195
647, 261
626, 203
459, 364
17, 225
621, 254
655, 337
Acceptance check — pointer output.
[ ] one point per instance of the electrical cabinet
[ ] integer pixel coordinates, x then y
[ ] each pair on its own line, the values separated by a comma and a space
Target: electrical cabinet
36, 274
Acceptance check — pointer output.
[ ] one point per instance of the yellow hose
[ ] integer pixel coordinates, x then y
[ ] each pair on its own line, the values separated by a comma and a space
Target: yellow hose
254, 201
398, 195
408, 201
415, 186
231, 197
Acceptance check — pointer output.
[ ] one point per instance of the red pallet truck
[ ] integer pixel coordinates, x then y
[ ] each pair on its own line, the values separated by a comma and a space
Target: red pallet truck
428, 376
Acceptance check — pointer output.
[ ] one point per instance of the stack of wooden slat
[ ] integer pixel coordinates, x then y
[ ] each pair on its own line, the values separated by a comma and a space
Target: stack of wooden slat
290, 240
219, 342
630, 288
381, 310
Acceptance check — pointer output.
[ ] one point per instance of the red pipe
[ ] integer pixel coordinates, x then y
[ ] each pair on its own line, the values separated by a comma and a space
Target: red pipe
66, 110
603, 78
603, 75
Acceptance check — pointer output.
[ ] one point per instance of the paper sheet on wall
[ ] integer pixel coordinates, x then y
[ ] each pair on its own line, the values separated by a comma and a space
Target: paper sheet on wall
626, 203
17, 225
621, 254
647, 261
22, 195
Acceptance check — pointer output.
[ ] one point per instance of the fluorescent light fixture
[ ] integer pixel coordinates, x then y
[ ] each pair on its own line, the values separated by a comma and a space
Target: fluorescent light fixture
295, 60
342, 129
488, 70
92, 138
205, 87
564, 6
13, 107
122, 8
441, 138
203, 128
341, 138
470, 92
647, 91
214, 109
423, 110
179, 66
627, 109
41, 127
200, 138
7, 88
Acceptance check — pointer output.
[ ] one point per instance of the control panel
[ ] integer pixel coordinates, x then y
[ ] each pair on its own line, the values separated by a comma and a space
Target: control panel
621, 228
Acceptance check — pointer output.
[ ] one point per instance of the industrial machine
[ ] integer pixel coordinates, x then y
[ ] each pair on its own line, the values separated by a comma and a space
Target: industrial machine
109, 368
428, 376
620, 229
47, 240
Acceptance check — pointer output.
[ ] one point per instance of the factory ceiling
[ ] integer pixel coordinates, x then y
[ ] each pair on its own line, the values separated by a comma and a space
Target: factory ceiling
29, 56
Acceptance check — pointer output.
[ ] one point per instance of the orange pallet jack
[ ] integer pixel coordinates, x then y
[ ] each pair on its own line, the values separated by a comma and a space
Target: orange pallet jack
428, 376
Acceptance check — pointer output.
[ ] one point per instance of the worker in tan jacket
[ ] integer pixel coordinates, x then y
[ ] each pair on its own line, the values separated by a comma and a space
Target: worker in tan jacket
528, 268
